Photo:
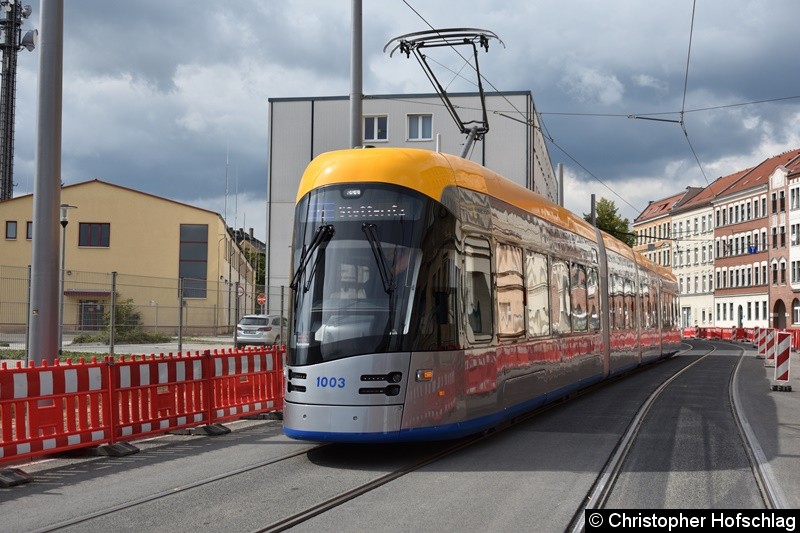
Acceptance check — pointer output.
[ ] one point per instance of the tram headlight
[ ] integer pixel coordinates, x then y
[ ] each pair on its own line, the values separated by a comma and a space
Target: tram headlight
424, 375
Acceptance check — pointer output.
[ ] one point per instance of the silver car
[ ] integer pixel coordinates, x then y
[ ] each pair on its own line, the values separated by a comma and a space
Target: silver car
262, 330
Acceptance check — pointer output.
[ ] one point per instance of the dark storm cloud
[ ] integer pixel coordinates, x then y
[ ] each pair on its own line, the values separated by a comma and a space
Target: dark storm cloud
159, 94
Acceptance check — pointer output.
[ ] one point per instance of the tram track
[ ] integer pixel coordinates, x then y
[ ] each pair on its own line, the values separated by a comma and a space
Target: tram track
176, 490
605, 483
342, 498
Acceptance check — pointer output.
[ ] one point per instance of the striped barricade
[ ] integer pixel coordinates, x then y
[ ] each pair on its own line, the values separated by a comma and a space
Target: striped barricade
246, 383
53, 408
757, 337
157, 394
769, 354
761, 343
56, 408
782, 358
795, 339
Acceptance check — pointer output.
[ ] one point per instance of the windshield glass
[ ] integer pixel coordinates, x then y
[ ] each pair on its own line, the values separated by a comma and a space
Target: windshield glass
354, 295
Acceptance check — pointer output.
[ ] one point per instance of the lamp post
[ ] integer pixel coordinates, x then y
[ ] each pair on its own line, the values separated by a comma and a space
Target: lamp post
64, 222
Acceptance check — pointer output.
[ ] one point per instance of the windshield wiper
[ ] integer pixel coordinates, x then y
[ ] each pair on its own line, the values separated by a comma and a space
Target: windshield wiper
389, 285
383, 268
322, 237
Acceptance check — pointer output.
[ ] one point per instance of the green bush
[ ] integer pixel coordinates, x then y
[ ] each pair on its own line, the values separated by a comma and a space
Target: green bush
127, 328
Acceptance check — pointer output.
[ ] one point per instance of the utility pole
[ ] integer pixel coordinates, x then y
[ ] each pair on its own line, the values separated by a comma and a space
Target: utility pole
356, 94
11, 43
43, 319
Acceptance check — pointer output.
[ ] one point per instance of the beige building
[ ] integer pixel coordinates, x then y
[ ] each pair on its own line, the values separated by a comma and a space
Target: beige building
140, 246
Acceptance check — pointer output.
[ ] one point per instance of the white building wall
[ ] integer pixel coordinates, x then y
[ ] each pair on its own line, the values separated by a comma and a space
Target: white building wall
695, 272
794, 246
754, 311
302, 128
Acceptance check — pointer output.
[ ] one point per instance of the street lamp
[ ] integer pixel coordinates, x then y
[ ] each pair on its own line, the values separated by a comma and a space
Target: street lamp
64, 222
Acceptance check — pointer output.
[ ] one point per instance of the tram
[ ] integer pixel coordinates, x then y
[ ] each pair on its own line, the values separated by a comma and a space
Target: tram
433, 298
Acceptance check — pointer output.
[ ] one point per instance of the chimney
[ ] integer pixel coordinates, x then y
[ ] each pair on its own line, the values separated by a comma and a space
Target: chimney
251, 235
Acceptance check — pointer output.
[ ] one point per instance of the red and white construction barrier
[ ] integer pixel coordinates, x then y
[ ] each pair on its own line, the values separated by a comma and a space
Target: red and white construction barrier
782, 358
757, 337
769, 354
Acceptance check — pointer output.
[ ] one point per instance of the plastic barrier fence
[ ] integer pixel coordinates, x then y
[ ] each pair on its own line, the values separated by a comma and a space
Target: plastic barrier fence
51, 409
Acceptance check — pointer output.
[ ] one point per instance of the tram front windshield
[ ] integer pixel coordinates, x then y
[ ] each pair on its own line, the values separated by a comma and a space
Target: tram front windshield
355, 265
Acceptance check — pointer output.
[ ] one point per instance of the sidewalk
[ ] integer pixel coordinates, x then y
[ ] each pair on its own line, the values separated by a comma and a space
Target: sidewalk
774, 418
189, 344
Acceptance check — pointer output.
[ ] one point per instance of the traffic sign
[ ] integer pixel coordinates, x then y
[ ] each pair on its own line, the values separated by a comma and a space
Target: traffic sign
262, 299
240, 291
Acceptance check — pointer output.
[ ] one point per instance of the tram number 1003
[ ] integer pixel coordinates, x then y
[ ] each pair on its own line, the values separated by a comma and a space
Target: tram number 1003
330, 383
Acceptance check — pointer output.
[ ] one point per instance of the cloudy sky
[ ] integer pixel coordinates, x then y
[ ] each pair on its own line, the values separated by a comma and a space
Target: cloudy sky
158, 94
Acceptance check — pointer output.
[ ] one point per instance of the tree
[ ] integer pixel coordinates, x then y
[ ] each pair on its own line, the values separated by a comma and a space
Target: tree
609, 221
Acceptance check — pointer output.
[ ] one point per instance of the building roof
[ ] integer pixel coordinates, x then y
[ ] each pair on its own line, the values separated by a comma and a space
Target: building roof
396, 96
759, 175
659, 208
708, 194
108, 184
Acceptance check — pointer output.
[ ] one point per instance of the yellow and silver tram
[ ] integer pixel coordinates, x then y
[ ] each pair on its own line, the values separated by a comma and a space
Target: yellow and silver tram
433, 298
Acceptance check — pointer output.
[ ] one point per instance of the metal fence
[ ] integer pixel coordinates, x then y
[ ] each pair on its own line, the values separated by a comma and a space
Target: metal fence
170, 306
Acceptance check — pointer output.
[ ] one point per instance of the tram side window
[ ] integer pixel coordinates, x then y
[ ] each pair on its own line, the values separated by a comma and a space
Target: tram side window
538, 294
629, 307
559, 297
510, 296
644, 308
615, 297
578, 297
477, 291
592, 299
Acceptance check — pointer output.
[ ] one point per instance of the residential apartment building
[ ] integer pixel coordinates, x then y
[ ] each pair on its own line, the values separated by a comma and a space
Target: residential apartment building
653, 229
302, 128
784, 228
146, 244
793, 181
693, 255
741, 297
735, 246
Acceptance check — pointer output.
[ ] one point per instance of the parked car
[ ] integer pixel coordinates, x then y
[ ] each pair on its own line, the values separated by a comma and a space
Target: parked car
262, 330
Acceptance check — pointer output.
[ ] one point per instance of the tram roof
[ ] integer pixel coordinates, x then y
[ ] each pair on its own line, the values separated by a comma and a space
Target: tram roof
430, 173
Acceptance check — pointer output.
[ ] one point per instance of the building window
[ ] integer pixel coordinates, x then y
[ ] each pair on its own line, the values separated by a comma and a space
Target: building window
375, 128
796, 311
193, 259
419, 127
97, 234
11, 229
29, 230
